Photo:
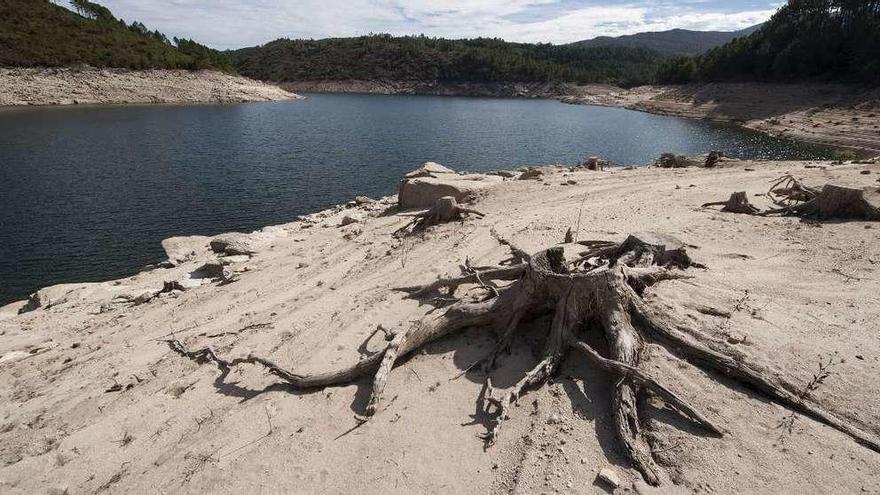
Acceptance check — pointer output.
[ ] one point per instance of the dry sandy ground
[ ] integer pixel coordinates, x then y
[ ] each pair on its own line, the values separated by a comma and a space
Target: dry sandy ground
92, 400
91, 86
838, 115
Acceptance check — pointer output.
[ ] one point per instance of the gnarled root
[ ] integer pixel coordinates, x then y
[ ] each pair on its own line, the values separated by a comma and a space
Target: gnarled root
832, 201
445, 209
600, 291
737, 203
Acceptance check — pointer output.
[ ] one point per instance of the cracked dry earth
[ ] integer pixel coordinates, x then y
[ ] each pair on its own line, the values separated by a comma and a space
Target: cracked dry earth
93, 401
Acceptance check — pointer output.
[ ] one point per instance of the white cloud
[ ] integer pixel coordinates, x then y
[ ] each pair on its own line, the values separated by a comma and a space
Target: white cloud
237, 23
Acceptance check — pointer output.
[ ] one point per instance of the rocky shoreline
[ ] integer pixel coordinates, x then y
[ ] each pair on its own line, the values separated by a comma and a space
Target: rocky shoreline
87, 86
841, 116
432, 88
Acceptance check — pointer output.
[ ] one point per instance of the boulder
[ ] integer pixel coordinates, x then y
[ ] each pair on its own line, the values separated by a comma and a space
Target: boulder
423, 192
362, 200
233, 243
429, 169
531, 174
184, 248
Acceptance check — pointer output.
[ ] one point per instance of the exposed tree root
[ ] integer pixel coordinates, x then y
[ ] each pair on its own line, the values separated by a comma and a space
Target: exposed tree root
445, 209
600, 291
831, 201
737, 203
793, 197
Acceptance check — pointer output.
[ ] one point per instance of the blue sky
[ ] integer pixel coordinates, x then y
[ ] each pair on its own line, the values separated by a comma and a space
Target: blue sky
238, 23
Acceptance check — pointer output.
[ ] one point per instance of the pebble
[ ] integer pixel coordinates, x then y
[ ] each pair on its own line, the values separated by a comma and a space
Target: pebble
610, 477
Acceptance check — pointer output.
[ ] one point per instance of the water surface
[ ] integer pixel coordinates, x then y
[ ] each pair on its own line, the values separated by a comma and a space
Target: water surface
87, 193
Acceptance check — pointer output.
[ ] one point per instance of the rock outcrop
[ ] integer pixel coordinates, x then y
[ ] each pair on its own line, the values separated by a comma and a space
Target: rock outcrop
422, 187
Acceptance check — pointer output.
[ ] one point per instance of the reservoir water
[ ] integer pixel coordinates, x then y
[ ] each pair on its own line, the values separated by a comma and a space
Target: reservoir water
87, 193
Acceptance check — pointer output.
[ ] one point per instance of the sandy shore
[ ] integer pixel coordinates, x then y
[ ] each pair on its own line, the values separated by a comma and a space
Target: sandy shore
828, 114
91, 399
19, 86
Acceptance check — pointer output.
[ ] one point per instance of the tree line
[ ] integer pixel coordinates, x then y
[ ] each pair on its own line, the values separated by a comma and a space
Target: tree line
40, 33
818, 40
422, 58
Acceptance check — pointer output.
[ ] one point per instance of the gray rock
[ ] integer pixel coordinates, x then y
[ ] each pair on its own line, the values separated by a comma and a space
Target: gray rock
233, 243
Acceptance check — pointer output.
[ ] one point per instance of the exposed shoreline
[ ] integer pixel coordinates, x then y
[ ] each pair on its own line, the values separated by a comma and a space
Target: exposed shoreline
431, 88
90, 367
91, 86
840, 116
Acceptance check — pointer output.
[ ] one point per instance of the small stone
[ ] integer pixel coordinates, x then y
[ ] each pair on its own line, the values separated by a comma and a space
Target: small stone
865, 172
610, 477
362, 200
554, 419
583, 460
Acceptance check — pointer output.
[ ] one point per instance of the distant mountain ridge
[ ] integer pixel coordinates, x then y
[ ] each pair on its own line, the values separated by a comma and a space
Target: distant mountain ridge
672, 42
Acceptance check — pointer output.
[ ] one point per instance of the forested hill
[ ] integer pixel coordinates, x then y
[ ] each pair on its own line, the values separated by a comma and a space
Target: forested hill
39, 33
420, 58
806, 40
672, 42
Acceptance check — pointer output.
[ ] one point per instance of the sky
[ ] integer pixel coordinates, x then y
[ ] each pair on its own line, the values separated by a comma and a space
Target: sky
226, 24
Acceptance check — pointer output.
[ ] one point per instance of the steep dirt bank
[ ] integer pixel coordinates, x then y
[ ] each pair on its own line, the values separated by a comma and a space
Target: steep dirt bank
25, 86
836, 115
92, 400
436, 88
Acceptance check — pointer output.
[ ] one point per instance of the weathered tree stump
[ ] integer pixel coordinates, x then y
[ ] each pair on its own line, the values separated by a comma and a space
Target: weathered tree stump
835, 201
737, 203
599, 291
445, 209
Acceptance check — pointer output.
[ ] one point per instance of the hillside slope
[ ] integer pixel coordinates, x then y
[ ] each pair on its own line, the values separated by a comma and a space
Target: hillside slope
820, 40
672, 42
419, 58
39, 33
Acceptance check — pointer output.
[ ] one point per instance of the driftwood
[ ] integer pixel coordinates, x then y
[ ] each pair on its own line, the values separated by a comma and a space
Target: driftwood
445, 209
600, 290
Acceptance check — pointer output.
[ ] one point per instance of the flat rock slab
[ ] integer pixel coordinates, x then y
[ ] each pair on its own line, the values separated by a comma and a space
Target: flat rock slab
423, 192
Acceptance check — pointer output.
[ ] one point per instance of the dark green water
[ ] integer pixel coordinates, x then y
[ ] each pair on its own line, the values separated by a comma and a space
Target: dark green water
88, 193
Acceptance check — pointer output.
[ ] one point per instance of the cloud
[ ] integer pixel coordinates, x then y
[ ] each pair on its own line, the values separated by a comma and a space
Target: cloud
237, 23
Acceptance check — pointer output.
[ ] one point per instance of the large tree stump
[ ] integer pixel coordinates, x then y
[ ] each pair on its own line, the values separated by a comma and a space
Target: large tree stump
599, 291
831, 201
